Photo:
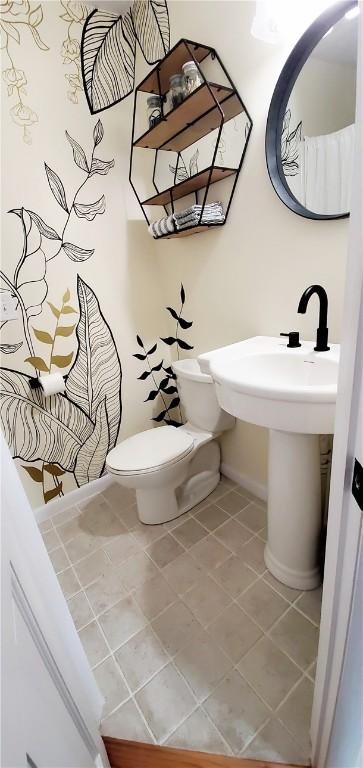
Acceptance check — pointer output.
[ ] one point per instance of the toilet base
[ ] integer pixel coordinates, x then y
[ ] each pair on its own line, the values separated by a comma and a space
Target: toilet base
160, 505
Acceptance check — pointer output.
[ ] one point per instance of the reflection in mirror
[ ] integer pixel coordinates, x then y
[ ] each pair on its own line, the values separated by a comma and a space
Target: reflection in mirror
317, 136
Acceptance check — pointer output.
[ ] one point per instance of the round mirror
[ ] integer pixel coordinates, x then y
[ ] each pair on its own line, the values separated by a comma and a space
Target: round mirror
310, 125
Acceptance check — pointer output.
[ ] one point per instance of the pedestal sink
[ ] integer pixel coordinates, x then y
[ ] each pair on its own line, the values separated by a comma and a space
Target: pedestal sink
292, 392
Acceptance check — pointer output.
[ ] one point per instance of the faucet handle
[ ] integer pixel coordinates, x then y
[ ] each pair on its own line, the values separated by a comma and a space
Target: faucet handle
294, 340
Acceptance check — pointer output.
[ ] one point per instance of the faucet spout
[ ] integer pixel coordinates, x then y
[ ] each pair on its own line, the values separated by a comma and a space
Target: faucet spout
322, 330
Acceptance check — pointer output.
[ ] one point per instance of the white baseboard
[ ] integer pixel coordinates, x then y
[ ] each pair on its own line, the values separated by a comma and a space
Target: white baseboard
251, 485
72, 498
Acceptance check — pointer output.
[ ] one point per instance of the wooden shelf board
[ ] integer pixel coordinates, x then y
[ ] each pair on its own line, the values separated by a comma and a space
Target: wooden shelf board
188, 232
196, 116
190, 185
171, 64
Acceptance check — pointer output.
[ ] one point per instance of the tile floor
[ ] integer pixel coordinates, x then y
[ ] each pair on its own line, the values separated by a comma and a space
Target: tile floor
193, 643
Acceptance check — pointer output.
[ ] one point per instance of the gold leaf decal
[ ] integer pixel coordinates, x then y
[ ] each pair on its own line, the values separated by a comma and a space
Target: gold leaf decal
68, 310
65, 330
62, 361
38, 363
53, 470
54, 309
66, 296
49, 495
43, 336
35, 473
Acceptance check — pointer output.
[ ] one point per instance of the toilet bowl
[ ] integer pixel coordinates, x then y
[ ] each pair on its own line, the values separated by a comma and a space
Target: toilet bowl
174, 468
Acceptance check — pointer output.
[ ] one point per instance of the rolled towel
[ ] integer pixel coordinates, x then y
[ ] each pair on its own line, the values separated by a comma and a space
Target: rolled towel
163, 226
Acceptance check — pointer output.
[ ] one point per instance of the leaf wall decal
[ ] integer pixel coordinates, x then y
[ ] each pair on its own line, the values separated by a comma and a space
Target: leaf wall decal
56, 187
90, 210
108, 59
56, 312
102, 167
44, 228
79, 155
9, 349
62, 361
65, 330
151, 22
52, 469
76, 253
98, 133
38, 363
53, 493
43, 336
96, 372
35, 473
91, 458
50, 429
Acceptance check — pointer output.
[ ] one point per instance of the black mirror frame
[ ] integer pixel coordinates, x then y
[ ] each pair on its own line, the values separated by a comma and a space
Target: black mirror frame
279, 101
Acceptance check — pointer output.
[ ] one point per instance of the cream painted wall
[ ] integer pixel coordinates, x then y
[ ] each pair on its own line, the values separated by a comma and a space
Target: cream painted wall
246, 278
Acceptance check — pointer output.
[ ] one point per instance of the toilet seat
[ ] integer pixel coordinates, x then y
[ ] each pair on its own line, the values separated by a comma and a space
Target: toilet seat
149, 451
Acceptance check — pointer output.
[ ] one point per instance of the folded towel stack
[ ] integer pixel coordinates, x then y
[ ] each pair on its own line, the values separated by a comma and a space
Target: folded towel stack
212, 214
163, 226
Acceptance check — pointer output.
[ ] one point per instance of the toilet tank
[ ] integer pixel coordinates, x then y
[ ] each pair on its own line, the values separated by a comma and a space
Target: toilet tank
198, 397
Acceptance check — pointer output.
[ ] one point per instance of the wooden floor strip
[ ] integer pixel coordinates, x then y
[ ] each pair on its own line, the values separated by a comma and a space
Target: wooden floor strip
134, 754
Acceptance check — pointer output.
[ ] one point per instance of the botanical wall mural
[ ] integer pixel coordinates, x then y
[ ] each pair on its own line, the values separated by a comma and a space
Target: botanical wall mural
70, 432
18, 18
162, 376
74, 15
290, 141
108, 49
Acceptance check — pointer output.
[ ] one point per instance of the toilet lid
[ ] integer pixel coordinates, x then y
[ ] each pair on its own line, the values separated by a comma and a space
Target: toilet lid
149, 450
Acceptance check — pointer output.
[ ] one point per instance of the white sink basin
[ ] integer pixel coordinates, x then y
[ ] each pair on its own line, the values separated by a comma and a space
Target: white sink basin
292, 392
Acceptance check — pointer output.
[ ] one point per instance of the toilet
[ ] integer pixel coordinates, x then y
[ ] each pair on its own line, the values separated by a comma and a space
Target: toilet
174, 468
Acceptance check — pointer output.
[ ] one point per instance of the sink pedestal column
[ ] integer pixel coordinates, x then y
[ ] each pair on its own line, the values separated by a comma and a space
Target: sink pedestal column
294, 509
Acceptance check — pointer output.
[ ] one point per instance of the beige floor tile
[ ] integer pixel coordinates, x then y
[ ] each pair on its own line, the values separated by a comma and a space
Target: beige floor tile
146, 534
253, 517
233, 535
253, 554
295, 713
183, 573
111, 685
312, 671
165, 701
121, 548
206, 600
269, 672
310, 604
211, 517
119, 497
80, 609
177, 521
128, 516
198, 732
226, 482
121, 622
164, 550
234, 576
218, 492
154, 596
176, 627
232, 502
69, 583
234, 632
287, 592
92, 567
263, 604
46, 525
263, 534
297, 636
93, 643
203, 665
210, 552
51, 539
64, 516
69, 530
107, 590
82, 545
236, 710
141, 657
59, 559
127, 723
189, 533
137, 571
274, 742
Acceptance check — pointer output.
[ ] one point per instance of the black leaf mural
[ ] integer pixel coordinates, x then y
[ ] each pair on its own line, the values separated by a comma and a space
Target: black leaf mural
165, 387
290, 141
108, 49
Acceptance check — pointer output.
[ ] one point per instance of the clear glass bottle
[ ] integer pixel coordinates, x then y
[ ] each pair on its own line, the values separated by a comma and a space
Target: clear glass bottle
153, 110
192, 78
177, 92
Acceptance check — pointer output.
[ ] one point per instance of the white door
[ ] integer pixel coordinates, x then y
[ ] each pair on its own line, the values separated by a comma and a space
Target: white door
50, 705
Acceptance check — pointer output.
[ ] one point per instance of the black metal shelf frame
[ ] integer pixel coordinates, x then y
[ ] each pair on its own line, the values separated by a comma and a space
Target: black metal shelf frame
190, 47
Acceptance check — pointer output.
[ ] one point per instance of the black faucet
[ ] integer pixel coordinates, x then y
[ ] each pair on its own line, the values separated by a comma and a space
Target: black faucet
322, 331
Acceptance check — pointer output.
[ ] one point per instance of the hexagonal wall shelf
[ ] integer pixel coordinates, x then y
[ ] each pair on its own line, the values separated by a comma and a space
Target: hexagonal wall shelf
195, 149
